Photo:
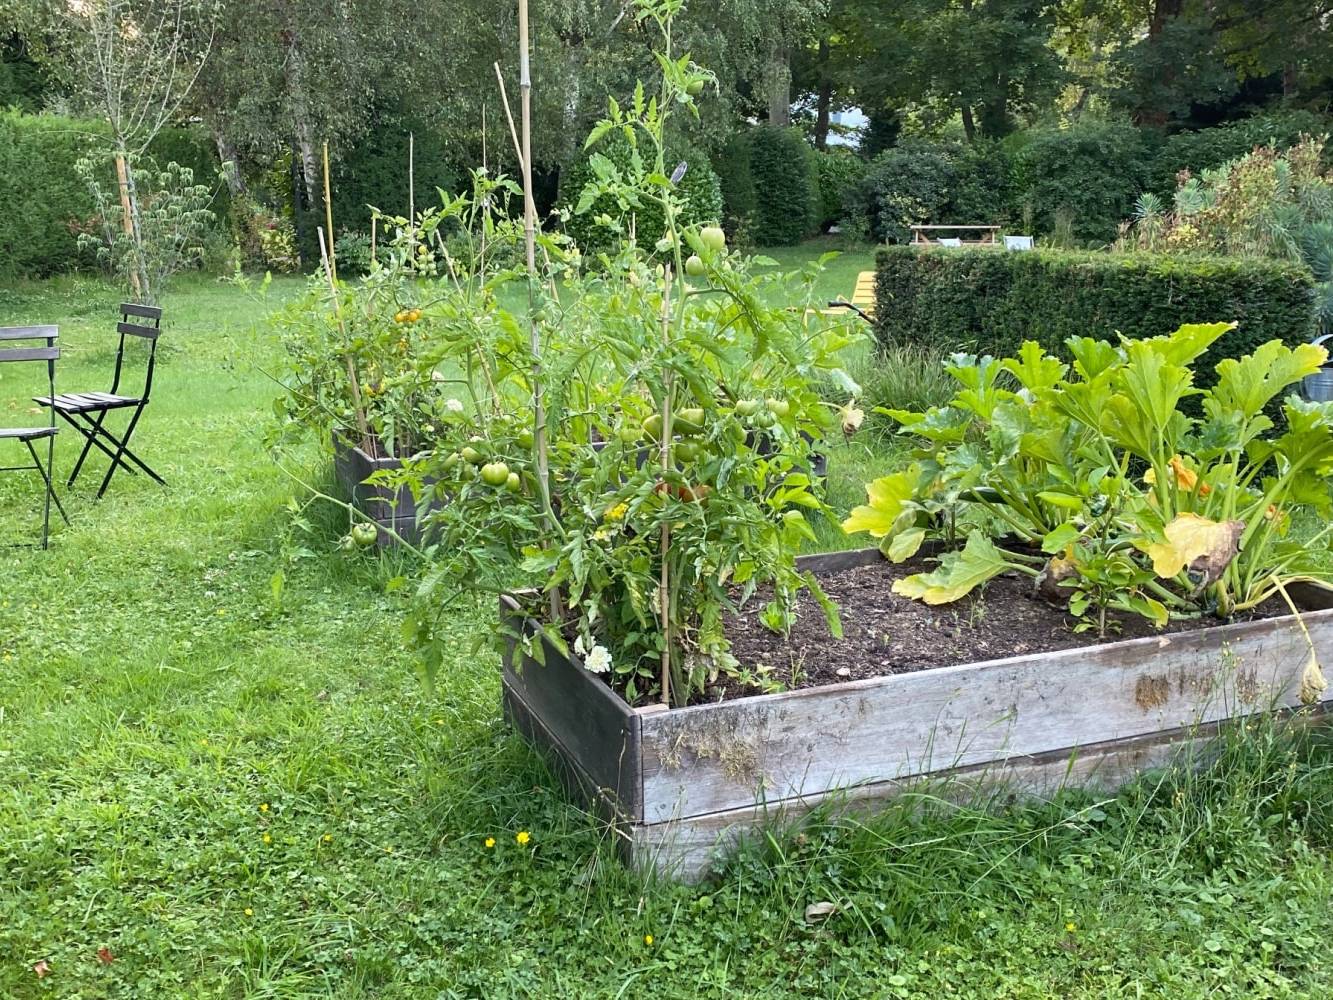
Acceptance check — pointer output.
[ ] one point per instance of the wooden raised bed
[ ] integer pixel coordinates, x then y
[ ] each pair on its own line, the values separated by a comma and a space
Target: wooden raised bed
387, 507
683, 784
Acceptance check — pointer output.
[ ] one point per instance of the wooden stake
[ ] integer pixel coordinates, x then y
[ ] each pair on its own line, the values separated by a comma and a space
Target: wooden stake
358, 409
330, 261
664, 586
412, 192
540, 444
373, 219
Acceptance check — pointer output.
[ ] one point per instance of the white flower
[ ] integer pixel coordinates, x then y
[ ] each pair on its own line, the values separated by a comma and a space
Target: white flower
599, 660
579, 648
453, 406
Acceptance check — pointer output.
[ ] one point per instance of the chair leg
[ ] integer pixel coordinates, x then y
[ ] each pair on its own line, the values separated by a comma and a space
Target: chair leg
122, 450
87, 444
45, 472
93, 432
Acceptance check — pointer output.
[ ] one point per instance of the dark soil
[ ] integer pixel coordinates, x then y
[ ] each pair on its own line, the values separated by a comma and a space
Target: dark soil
887, 634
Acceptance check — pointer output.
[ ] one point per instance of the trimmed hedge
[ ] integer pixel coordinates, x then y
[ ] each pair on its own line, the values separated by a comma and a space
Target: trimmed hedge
44, 204
374, 172
990, 301
771, 187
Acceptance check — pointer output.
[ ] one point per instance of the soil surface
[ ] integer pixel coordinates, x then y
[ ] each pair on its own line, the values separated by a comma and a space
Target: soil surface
887, 634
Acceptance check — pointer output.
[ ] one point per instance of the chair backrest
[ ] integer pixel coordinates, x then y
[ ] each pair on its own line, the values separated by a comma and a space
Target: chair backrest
1018, 242
148, 329
32, 343
951, 241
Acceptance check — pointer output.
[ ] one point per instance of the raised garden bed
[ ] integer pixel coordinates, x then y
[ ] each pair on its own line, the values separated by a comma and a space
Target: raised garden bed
682, 784
394, 509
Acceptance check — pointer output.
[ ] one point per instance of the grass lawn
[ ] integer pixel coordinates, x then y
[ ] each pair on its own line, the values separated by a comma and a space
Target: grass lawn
242, 790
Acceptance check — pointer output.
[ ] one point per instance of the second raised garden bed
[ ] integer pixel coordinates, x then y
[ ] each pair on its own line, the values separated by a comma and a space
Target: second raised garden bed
683, 784
392, 509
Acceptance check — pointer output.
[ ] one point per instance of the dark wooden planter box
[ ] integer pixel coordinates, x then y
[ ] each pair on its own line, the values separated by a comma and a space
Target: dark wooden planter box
683, 784
387, 507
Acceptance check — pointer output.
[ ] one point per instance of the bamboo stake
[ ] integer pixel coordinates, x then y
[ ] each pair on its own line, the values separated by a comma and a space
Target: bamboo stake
412, 191
664, 586
358, 409
330, 261
530, 240
373, 220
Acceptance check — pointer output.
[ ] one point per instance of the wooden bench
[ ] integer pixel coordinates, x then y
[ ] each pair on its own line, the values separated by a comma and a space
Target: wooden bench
862, 301
986, 235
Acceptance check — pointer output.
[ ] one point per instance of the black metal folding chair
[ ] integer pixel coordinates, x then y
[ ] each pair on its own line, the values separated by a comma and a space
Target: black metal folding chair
86, 411
16, 344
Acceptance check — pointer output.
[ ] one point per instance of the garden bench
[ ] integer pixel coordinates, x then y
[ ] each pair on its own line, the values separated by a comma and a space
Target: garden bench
16, 345
986, 235
86, 411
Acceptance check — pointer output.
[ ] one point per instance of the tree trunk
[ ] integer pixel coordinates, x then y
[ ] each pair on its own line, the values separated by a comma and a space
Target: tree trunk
825, 99
969, 126
779, 86
294, 75
144, 289
231, 167
1163, 12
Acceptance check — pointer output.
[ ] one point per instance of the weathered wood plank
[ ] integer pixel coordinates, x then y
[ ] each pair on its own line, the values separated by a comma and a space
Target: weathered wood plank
688, 849
734, 755
584, 720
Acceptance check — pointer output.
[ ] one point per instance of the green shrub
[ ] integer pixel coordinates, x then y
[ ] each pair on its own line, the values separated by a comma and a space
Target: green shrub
907, 185
700, 188
930, 183
989, 301
1085, 177
786, 187
1212, 147
45, 205
839, 170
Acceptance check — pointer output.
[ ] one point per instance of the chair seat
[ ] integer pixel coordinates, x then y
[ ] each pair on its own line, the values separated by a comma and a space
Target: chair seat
84, 402
26, 433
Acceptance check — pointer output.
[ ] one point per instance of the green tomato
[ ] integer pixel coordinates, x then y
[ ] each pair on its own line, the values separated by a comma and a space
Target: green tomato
687, 451
694, 266
365, 535
513, 484
629, 433
690, 420
495, 474
780, 408
453, 459
764, 418
747, 407
694, 88
525, 438
652, 427
471, 455
714, 238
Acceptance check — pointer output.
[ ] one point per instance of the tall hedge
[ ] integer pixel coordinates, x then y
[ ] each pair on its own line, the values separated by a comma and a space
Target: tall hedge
785, 175
990, 301
43, 202
374, 172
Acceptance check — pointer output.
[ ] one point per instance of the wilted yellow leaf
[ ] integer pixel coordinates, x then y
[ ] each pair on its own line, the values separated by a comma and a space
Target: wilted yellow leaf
1313, 683
1205, 546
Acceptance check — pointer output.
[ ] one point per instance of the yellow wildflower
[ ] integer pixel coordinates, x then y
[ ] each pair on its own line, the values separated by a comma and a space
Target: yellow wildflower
616, 513
489, 842
522, 837
249, 912
268, 839
1071, 927
648, 939
263, 807
328, 838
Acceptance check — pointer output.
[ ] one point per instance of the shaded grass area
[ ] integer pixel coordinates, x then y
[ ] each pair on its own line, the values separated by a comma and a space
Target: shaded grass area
241, 790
